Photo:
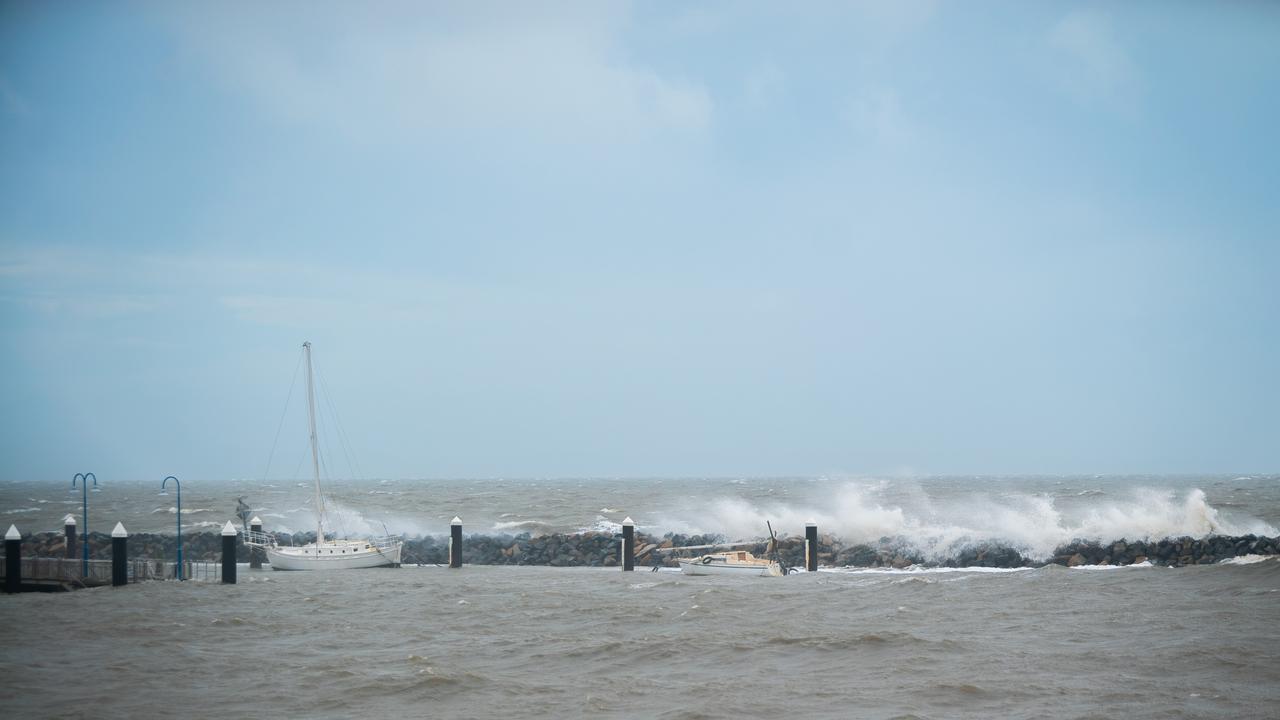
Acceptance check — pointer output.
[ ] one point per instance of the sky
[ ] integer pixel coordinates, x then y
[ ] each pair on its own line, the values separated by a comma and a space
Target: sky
640, 239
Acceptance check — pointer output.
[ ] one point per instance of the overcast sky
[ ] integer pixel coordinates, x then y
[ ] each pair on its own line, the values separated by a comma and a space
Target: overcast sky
652, 239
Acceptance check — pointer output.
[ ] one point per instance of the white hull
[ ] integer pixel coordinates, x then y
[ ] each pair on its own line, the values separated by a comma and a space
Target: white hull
337, 555
717, 565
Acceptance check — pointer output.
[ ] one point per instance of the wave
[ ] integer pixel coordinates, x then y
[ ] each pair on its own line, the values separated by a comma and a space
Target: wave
533, 527
918, 570
603, 525
1248, 559
1144, 564
1032, 524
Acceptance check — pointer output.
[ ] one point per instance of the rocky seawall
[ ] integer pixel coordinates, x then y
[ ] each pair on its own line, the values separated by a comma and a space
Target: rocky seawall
601, 550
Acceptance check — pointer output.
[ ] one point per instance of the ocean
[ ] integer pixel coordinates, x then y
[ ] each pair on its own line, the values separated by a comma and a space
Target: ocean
1136, 641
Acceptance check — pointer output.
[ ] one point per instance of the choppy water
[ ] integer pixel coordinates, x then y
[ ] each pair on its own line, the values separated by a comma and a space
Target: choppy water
485, 641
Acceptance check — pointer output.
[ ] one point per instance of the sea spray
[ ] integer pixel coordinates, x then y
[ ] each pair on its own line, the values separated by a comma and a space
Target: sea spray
1032, 524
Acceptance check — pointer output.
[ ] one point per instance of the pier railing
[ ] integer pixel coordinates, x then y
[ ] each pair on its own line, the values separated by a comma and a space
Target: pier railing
61, 570
257, 537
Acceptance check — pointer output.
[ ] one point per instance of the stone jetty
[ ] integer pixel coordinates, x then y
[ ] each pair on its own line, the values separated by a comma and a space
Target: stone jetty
599, 549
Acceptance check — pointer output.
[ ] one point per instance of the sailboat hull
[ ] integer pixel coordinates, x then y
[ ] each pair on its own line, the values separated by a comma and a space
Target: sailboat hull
334, 556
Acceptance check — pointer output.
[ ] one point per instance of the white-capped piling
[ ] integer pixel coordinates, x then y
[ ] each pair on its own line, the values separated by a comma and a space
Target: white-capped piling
119, 556
811, 546
13, 560
255, 551
69, 523
628, 545
455, 542
229, 554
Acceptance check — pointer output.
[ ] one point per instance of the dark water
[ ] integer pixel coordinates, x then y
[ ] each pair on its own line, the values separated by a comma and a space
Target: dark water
489, 642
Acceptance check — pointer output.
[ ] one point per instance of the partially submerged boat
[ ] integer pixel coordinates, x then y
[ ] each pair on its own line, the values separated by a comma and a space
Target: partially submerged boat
323, 554
728, 561
735, 562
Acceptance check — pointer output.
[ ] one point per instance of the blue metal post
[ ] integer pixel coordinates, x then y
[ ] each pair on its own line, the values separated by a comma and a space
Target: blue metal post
175, 482
84, 484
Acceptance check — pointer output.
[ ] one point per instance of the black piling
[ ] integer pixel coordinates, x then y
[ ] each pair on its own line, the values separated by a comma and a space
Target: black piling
228, 554
13, 560
119, 556
628, 545
455, 543
811, 546
255, 552
73, 544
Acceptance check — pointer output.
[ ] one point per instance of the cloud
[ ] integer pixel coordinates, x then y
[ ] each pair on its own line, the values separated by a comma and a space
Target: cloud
1094, 64
552, 73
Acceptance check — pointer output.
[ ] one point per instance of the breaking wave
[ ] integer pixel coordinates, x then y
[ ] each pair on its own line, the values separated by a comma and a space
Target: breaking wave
534, 527
1032, 524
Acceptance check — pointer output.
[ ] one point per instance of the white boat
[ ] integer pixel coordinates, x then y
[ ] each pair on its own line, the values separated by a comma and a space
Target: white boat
736, 562
336, 554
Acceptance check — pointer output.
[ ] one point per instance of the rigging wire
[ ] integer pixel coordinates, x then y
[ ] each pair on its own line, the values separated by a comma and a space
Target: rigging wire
353, 463
340, 433
283, 414
297, 471
326, 462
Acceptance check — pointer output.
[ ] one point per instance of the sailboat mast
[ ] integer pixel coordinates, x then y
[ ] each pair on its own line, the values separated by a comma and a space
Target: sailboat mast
315, 448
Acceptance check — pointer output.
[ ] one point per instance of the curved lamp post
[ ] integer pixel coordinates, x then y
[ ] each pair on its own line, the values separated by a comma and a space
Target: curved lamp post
175, 482
84, 543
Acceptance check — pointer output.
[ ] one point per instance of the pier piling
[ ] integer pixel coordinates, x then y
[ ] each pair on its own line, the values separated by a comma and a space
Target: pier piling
255, 552
229, 554
119, 556
455, 542
628, 545
13, 560
72, 539
811, 546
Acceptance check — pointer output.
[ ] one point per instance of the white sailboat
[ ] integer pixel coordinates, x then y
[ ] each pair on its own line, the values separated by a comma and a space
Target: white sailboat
336, 554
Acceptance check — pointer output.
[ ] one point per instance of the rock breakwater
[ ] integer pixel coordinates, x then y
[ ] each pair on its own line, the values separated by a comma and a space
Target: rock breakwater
601, 549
